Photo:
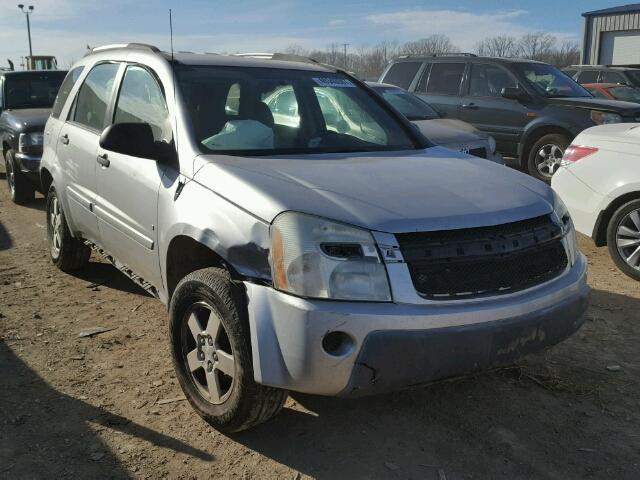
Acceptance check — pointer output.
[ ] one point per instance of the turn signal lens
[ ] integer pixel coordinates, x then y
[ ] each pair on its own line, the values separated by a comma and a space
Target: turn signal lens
577, 152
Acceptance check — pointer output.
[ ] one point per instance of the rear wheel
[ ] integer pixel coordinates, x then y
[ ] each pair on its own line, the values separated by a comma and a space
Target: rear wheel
545, 156
623, 238
21, 189
66, 252
211, 350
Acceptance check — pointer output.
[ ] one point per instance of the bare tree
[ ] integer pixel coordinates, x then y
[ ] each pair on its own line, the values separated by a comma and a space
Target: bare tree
429, 46
567, 54
536, 46
500, 46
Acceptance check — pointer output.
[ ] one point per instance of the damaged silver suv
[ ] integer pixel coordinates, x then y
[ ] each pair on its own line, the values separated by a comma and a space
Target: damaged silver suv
296, 248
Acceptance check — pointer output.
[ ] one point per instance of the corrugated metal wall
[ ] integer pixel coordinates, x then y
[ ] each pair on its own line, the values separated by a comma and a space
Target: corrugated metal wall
607, 23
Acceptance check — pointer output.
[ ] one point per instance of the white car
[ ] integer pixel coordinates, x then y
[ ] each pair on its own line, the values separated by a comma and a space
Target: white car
599, 182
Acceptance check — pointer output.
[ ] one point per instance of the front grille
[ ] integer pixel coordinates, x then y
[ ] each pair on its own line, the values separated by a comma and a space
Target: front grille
492, 260
478, 152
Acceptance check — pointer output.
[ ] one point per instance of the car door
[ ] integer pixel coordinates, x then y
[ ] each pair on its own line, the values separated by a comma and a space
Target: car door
440, 87
128, 186
484, 107
78, 144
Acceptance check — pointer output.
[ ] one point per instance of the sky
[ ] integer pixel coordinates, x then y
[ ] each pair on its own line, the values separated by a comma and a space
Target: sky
64, 28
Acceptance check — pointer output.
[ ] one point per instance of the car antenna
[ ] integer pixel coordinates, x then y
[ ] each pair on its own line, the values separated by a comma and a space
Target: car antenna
171, 33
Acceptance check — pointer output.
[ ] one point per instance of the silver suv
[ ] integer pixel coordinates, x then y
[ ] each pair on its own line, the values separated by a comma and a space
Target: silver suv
296, 250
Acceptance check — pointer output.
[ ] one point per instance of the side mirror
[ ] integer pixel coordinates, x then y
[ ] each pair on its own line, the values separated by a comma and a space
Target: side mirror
136, 140
515, 93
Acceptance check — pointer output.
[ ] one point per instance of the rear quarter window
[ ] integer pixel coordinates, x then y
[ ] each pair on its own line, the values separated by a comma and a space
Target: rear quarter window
402, 74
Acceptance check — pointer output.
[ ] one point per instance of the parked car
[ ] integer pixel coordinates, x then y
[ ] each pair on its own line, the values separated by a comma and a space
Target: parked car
297, 257
600, 184
25, 103
532, 109
614, 91
584, 74
446, 132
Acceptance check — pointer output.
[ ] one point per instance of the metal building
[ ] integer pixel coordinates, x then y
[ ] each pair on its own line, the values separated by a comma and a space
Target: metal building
612, 36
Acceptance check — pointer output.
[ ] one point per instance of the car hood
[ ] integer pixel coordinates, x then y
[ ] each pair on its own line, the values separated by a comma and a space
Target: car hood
27, 118
425, 190
444, 131
596, 104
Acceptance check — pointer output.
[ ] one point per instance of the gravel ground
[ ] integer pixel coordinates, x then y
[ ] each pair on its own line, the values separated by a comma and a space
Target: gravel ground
109, 406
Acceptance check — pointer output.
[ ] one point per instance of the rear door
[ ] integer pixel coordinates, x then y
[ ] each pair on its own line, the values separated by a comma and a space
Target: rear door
440, 86
78, 145
127, 203
484, 107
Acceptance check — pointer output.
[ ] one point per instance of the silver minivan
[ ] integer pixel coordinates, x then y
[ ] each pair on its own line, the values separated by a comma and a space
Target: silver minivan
323, 255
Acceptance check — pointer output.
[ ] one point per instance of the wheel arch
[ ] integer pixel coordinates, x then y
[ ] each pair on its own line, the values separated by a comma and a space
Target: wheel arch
535, 133
600, 228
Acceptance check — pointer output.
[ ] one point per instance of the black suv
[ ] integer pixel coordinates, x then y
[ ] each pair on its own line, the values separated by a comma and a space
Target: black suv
26, 99
604, 74
532, 109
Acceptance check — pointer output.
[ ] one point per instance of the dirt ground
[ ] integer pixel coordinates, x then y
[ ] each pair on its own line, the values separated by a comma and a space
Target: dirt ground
109, 406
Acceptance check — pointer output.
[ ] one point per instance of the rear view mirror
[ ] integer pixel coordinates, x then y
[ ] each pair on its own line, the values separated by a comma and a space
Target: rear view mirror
136, 140
515, 93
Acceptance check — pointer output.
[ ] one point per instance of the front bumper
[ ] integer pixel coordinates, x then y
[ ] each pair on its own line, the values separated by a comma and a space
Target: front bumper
396, 346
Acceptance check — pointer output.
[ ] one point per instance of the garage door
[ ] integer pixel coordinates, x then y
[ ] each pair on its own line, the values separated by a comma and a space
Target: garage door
620, 48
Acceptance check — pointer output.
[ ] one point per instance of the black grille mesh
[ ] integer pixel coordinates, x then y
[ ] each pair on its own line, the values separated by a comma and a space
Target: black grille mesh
487, 260
478, 152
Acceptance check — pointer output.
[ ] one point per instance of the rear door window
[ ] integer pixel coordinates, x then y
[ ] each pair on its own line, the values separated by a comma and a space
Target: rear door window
588, 76
94, 96
445, 78
402, 74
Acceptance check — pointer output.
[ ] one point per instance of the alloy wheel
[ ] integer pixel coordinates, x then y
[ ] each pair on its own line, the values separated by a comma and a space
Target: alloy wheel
628, 239
548, 159
11, 178
207, 353
55, 226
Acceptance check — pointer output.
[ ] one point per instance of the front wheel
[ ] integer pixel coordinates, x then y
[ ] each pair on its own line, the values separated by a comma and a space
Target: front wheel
623, 238
21, 189
66, 252
211, 350
545, 156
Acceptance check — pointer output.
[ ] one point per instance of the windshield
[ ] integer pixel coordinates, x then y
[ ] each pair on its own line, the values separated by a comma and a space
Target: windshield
549, 81
406, 103
264, 111
634, 75
628, 94
32, 90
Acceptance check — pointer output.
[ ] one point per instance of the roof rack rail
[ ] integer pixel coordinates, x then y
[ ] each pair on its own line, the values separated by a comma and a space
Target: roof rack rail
137, 46
442, 54
290, 57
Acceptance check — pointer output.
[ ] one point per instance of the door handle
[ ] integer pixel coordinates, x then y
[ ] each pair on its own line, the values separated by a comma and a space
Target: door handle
470, 106
65, 139
103, 160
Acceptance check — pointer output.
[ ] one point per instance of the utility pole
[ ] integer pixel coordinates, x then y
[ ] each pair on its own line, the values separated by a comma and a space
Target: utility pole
345, 45
27, 12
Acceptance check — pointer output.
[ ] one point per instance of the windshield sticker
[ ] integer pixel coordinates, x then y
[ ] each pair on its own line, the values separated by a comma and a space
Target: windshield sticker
334, 82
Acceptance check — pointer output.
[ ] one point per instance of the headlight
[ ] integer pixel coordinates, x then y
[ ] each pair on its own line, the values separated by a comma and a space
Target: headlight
27, 141
603, 118
569, 232
492, 144
314, 257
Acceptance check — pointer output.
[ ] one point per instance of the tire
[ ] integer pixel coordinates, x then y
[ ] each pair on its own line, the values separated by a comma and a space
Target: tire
66, 252
623, 238
543, 159
235, 402
21, 189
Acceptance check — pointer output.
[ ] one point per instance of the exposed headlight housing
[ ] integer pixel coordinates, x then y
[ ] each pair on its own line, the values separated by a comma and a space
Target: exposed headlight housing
28, 142
569, 232
319, 258
603, 118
